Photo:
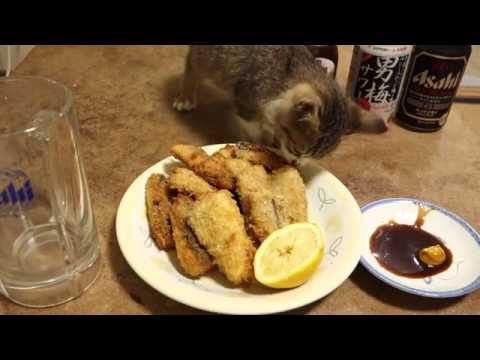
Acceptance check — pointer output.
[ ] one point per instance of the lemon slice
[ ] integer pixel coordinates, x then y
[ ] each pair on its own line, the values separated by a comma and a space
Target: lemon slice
288, 257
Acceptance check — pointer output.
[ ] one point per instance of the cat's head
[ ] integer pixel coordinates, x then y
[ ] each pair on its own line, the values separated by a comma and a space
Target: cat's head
307, 120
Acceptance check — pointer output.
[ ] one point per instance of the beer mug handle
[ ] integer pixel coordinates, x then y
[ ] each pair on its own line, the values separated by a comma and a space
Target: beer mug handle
2, 289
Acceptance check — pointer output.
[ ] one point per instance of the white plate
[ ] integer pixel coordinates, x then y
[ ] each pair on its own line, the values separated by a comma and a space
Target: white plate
461, 278
330, 205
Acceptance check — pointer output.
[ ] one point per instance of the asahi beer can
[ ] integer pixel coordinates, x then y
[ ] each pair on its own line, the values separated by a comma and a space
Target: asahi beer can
432, 81
376, 77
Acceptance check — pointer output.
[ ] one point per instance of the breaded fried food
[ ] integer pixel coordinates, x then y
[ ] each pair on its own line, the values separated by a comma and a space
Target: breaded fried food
158, 211
289, 198
213, 168
220, 228
226, 152
205, 224
210, 168
193, 259
255, 154
259, 155
268, 201
256, 198
186, 182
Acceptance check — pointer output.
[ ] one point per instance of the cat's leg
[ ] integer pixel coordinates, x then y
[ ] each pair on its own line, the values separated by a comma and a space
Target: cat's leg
249, 126
254, 131
186, 100
250, 129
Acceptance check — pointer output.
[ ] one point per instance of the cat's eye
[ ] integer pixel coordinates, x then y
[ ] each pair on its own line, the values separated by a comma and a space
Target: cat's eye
303, 108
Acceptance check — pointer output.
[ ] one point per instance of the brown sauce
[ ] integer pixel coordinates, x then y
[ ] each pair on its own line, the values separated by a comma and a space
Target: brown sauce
396, 248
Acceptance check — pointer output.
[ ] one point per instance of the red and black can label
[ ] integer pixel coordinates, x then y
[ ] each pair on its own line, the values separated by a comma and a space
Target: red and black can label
376, 75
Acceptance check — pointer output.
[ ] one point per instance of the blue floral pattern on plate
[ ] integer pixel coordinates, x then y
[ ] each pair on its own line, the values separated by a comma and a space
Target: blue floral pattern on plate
324, 200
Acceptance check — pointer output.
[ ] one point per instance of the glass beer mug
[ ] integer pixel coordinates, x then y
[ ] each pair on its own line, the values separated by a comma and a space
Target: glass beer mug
49, 250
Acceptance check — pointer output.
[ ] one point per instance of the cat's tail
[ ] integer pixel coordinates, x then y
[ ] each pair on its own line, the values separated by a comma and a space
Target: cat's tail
362, 121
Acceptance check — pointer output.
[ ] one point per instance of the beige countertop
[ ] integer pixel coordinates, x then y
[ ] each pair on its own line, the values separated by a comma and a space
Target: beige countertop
123, 100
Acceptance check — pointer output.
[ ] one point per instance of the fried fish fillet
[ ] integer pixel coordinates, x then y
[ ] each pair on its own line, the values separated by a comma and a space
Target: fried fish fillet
193, 259
210, 168
256, 199
213, 168
186, 182
255, 154
158, 211
259, 155
267, 201
289, 198
220, 228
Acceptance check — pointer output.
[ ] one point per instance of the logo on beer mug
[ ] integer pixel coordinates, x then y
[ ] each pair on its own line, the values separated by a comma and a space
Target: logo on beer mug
15, 189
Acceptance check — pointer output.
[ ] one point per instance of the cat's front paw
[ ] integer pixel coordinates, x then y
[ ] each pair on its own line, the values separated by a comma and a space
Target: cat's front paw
182, 104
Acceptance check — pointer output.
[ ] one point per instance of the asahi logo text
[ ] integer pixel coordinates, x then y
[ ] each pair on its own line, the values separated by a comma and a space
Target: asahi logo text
428, 81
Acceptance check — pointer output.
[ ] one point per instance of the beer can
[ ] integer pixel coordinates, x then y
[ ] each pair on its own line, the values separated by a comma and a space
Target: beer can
432, 81
376, 77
